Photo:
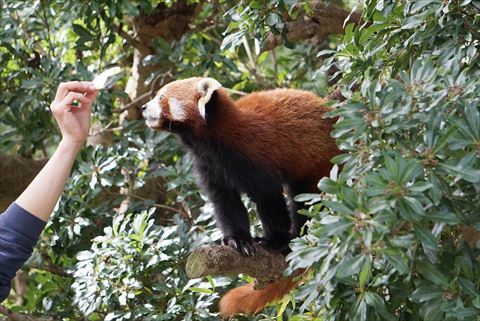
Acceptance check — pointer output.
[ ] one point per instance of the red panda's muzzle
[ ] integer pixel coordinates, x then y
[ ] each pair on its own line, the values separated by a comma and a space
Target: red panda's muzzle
152, 114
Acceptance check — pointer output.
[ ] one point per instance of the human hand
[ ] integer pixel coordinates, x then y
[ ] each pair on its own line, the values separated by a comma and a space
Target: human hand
74, 121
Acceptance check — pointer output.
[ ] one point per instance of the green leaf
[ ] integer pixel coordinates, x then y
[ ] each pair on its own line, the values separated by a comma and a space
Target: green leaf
232, 40
426, 293
420, 187
464, 168
426, 237
359, 309
81, 31
351, 266
338, 207
397, 260
431, 273
201, 290
406, 211
433, 311
375, 301
328, 186
274, 20
307, 197
132, 10
336, 228
414, 204
468, 287
365, 274
282, 307
443, 217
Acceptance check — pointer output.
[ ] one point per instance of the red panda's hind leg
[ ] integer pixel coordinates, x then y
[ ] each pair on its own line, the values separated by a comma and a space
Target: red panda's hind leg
273, 213
298, 219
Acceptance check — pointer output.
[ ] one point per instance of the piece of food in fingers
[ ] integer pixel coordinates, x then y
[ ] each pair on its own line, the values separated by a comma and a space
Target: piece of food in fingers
101, 81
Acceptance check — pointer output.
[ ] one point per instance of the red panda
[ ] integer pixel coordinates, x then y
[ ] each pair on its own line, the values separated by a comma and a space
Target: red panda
261, 145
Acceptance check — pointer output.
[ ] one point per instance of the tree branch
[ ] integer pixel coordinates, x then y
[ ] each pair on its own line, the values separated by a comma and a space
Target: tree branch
208, 22
144, 96
264, 266
14, 316
323, 21
129, 39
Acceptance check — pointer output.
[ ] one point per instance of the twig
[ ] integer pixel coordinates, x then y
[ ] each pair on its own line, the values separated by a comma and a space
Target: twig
129, 39
274, 61
54, 269
166, 207
47, 25
14, 316
249, 54
141, 97
105, 130
49, 266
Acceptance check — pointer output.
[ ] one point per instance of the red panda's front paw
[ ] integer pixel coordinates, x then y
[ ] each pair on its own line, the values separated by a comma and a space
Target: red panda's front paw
243, 246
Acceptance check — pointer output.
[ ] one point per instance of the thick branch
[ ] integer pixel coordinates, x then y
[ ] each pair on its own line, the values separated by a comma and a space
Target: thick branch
324, 20
223, 260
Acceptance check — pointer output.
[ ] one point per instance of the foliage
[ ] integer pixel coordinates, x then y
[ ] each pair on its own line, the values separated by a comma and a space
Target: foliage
43, 43
388, 244
385, 240
134, 272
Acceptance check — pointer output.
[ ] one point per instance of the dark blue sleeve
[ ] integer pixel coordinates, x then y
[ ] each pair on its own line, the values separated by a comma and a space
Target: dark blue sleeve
19, 232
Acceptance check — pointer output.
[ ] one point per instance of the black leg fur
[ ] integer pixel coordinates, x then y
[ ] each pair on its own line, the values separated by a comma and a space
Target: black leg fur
225, 173
274, 215
232, 218
298, 220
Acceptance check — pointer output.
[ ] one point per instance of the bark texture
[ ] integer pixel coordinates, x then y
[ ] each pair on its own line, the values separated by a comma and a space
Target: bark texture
324, 20
169, 23
16, 173
264, 266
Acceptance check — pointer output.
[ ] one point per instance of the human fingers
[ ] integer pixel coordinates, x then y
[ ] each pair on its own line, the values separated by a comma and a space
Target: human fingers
68, 100
65, 87
92, 95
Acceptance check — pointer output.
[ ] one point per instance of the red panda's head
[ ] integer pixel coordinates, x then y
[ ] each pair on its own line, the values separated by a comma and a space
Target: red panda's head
181, 101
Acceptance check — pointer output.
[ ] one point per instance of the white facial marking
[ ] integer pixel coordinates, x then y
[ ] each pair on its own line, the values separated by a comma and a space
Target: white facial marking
153, 111
177, 110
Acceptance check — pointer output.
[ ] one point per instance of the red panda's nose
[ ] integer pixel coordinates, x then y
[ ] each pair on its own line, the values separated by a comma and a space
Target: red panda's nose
144, 107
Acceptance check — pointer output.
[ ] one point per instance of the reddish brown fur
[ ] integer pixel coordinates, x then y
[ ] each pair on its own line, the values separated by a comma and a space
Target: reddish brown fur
282, 130
246, 300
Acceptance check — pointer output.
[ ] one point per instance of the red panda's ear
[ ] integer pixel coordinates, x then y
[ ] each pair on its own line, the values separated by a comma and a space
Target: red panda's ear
206, 87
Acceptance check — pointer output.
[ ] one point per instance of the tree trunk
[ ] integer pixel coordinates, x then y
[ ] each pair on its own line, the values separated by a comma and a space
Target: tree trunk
16, 173
168, 23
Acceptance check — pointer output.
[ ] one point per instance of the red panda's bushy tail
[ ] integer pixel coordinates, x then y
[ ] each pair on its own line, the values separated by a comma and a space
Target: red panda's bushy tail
247, 300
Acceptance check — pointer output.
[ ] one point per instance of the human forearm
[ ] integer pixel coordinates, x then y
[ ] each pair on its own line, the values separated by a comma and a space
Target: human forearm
19, 231
42, 194
22, 223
